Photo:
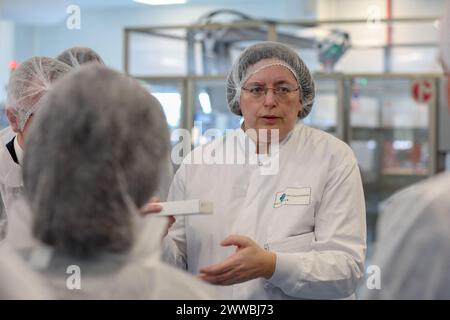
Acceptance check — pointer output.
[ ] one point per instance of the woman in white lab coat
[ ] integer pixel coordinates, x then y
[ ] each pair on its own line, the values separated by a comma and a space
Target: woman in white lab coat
289, 213
93, 157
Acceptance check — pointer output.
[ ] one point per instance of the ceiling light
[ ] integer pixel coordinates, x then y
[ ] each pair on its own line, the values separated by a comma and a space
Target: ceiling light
160, 2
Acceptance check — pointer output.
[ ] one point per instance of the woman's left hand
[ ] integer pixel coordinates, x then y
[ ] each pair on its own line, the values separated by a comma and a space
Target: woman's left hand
250, 261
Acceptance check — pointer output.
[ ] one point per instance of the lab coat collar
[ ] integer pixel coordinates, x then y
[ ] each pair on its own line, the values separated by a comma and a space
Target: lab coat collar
146, 247
19, 150
246, 142
10, 172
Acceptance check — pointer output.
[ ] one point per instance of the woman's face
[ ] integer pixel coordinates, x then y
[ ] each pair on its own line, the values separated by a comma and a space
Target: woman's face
270, 110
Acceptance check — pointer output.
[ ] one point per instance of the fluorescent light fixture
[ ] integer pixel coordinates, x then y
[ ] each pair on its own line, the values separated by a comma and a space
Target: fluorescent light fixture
371, 144
437, 24
171, 104
402, 144
160, 2
205, 102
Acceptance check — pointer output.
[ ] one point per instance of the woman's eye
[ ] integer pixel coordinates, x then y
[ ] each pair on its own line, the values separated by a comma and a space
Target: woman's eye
283, 90
256, 90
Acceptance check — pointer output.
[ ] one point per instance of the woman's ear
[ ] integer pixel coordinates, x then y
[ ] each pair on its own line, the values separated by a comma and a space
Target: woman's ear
12, 118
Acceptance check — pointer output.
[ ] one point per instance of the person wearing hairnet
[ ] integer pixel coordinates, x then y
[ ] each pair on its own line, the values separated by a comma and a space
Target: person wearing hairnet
292, 233
413, 234
27, 85
78, 56
93, 158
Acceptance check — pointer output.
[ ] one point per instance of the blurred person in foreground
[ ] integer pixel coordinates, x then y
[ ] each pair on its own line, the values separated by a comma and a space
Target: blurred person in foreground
413, 235
78, 56
92, 160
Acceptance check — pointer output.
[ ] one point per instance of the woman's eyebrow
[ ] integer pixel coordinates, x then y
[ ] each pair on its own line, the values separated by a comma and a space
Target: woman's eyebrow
261, 83
282, 82
256, 83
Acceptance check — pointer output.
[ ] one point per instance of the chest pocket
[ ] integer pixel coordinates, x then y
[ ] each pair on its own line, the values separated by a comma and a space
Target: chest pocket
300, 243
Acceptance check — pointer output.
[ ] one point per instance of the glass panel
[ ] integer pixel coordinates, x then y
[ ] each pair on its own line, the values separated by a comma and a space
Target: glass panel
389, 135
211, 112
324, 112
362, 61
415, 33
162, 53
415, 59
216, 49
169, 95
411, 47
3, 119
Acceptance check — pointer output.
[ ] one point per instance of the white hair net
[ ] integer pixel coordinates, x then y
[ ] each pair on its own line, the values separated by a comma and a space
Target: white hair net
77, 56
413, 243
94, 155
29, 82
444, 41
286, 56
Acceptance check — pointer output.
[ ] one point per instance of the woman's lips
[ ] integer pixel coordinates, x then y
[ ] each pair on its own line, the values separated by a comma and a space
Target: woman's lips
270, 119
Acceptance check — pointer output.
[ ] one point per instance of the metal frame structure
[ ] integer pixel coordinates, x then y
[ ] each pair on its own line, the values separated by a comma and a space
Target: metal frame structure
343, 83
272, 34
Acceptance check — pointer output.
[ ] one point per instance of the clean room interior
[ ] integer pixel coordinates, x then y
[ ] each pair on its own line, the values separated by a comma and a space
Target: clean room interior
379, 80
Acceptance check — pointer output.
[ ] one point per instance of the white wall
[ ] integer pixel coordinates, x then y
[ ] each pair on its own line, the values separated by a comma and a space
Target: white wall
102, 30
6, 54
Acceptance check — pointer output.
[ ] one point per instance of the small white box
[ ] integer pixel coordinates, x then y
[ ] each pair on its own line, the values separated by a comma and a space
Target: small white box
186, 207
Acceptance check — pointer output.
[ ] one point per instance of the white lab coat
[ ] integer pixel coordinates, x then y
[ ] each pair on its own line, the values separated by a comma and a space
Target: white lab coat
17, 281
320, 242
11, 183
137, 274
165, 179
412, 251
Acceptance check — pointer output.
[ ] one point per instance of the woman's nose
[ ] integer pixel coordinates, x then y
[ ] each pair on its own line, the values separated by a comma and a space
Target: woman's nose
269, 98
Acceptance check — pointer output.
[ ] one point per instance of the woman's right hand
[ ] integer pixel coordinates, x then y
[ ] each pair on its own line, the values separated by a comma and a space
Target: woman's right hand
153, 207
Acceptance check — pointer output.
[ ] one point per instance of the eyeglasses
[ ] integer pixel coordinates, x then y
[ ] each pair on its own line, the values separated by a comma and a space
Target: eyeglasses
281, 93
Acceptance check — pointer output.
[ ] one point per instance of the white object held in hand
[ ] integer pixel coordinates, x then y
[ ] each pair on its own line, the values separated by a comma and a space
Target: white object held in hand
186, 207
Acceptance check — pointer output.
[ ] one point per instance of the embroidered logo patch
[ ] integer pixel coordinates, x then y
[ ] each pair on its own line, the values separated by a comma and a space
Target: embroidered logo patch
293, 196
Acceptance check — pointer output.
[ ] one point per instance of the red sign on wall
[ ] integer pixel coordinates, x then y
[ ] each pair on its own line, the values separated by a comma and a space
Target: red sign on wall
422, 91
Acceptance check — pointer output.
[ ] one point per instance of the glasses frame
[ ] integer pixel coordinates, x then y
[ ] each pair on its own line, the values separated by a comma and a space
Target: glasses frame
280, 96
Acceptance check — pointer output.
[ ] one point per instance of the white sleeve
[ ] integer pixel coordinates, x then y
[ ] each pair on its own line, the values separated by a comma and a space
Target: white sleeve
165, 180
3, 220
334, 266
174, 244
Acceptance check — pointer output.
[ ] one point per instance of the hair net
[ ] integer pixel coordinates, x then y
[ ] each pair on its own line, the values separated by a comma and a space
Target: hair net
77, 56
413, 243
444, 41
29, 82
269, 50
93, 158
